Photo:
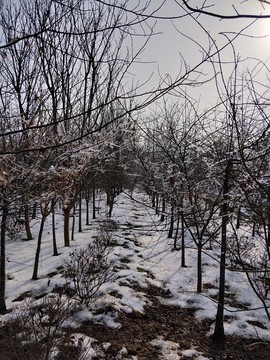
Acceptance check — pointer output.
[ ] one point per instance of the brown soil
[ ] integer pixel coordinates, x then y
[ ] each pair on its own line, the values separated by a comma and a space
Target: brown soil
172, 324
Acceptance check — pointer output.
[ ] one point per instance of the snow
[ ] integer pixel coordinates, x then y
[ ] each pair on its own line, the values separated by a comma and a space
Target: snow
169, 349
193, 354
85, 344
148, 259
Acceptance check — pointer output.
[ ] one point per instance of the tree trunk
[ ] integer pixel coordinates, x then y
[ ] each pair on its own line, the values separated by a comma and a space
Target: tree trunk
238, 218
27, 223
170, 234
153, 199
73, 224
219, 334
267, 242
176, 232
35, 271
157, 204
94, 200
110, 198
183, 246
80, 213
66, 226
55, 250
3, 308
87, 206
199, 267
253, 227
162, 218
34, 211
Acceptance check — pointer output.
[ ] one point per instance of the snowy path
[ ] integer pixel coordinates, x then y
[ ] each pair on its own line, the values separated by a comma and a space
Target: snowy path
141, 258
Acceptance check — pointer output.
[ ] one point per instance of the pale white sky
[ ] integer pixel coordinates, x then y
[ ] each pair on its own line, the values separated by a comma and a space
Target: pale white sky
163, 50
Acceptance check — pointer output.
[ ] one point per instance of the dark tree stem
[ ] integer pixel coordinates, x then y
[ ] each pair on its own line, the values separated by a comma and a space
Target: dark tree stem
3, 308
219, 334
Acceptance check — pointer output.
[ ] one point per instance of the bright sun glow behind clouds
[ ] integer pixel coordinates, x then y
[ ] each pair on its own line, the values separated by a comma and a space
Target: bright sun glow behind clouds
188, 38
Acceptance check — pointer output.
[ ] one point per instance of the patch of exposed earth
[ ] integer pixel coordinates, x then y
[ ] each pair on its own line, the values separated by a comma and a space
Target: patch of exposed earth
172, 324
138, 332
137, 337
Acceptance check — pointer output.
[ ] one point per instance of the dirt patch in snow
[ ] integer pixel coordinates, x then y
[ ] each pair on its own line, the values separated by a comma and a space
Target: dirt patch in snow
174, 324
139, 332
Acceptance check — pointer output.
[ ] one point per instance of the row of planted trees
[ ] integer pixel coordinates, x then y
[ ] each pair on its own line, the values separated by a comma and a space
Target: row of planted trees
63, 180
66, 130
208, 174
64, 111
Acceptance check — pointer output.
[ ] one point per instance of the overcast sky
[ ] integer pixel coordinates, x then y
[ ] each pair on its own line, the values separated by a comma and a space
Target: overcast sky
164, 49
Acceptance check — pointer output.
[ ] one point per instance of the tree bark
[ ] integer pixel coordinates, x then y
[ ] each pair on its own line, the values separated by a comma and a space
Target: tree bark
183, 246
66, 226
110, 198
94, 201
87, 206
153, 199
267, 242
3, 308
27, 223
170, 234
34, 211
41, 227
219, 334
199, 267
157, 204
176, 232
55, 250
238, 218
73, 224
80, 213
253, 226
162, 217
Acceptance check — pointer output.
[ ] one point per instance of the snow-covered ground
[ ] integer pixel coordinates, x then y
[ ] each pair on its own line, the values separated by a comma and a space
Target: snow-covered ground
149, 251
